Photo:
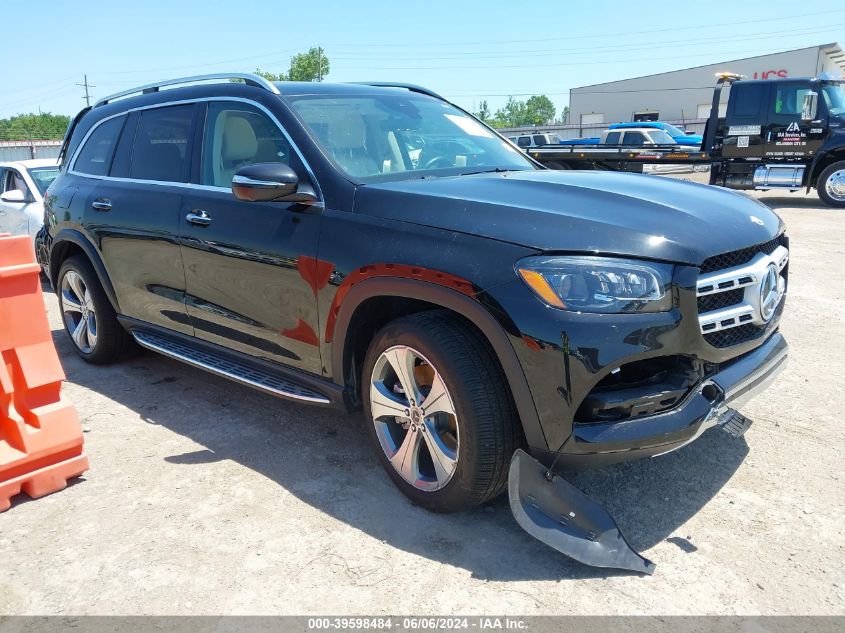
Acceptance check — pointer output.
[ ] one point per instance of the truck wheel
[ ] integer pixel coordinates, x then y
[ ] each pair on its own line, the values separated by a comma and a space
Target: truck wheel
831, 185
439, 411
88, 315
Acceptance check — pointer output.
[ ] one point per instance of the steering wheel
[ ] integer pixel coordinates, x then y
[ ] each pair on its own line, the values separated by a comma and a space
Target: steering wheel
437, 161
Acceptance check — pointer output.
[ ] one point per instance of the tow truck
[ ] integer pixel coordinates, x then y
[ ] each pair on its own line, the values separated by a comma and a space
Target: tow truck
776, 134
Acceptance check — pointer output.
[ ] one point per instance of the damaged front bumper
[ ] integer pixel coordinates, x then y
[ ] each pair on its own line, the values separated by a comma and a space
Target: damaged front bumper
561, 516
704, 407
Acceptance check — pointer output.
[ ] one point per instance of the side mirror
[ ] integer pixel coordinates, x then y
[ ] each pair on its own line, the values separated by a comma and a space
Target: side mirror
13, 195
265, 182
810, 107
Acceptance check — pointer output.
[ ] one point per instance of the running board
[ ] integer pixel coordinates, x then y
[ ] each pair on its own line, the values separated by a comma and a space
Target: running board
228, 369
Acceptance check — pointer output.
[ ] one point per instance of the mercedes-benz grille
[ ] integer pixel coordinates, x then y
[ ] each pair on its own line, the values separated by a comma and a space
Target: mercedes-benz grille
739, 292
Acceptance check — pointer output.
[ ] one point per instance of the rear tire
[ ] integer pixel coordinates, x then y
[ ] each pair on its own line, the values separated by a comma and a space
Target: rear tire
831, 185
471, 427
88, 315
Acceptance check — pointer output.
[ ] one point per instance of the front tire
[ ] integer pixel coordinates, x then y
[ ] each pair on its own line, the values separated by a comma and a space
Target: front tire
439, 411
88, 315
831, 185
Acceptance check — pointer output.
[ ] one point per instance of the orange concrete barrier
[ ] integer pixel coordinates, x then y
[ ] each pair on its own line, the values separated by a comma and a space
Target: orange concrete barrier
40, 434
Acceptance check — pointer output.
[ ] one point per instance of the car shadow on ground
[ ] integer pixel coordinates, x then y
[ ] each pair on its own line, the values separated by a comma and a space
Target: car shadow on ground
324, 458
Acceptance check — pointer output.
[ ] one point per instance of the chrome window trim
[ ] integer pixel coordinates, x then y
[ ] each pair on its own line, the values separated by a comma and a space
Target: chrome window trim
188, 185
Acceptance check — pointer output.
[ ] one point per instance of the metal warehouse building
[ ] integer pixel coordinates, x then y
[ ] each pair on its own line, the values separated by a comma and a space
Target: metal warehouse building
685, 95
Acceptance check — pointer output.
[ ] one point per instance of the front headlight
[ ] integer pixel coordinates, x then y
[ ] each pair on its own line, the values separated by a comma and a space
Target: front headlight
598, 284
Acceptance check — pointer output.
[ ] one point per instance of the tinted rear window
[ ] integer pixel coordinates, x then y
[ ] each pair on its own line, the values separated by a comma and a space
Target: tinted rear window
746, 100
95, 157
160, 151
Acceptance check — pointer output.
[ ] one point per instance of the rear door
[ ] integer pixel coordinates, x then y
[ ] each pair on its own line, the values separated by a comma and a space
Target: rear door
247, 263
787, 135
745, 121
134, 215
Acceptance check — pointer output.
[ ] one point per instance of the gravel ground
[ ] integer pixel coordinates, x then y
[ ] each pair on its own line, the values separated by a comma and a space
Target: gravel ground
205, 497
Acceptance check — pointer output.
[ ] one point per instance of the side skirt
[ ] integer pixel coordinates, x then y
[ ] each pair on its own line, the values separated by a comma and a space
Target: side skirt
266, 376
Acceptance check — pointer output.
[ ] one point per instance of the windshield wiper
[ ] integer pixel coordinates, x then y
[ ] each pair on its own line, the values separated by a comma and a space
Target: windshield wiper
494, 170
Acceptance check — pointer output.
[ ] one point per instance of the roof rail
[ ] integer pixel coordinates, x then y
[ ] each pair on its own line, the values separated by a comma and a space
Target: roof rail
393, 84
248, 78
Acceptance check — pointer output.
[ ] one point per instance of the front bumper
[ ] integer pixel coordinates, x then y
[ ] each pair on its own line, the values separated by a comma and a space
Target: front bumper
704, 407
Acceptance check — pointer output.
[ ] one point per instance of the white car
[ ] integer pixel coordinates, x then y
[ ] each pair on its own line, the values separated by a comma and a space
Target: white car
22, 188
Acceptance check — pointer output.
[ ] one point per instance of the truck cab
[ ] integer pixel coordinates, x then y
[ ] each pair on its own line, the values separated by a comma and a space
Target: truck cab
787, 133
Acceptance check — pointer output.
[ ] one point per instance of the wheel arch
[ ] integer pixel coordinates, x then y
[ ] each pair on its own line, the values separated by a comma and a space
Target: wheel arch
69, 242
415, 296
822, 161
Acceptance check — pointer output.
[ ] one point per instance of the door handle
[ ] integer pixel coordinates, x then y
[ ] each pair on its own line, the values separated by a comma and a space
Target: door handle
198, 217
101, 204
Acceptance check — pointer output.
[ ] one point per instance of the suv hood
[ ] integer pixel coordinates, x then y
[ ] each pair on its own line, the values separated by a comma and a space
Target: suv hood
580, 211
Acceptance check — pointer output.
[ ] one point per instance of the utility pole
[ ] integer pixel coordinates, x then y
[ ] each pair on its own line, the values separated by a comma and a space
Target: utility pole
86, 85
319, 63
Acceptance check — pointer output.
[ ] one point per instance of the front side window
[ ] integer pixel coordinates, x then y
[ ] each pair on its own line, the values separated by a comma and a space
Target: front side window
789, 100
612, 138
524, 141
237, 135
160, 151
372, 136
14, 181
95, 157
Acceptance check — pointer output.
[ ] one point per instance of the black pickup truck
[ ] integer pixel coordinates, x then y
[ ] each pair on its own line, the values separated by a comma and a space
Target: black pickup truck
777, 134
376, 247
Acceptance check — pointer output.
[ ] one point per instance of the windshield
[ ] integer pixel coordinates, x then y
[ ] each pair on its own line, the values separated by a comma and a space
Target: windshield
674, 131
43, 177
660, 137
370, 137
834, 97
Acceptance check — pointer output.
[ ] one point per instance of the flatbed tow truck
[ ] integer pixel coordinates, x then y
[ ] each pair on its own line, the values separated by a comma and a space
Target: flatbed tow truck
777, 134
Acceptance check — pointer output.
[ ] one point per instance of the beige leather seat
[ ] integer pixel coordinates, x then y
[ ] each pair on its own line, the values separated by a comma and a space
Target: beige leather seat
347, 140
239, 147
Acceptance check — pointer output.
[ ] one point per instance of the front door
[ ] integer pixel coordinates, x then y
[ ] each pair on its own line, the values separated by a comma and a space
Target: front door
788, 135
15, 216
246, 263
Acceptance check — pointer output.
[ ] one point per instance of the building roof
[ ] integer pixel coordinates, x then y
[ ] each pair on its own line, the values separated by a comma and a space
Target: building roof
835, 52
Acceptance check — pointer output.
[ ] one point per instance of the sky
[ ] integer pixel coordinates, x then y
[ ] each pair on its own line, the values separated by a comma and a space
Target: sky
467, 51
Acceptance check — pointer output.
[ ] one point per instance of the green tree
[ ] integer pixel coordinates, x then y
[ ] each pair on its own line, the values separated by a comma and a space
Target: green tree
564, 115
513, 114
42, 126
270, 76
310, 66
483, 112
539, 110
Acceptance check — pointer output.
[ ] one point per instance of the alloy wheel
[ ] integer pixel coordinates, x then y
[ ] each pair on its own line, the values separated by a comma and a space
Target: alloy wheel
414, 418
78, 312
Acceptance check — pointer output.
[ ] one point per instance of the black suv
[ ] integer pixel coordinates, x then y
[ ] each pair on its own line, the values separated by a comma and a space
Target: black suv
374, 245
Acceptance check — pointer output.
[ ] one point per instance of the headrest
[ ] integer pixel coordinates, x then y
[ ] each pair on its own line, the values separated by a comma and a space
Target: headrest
239, 142
348, 133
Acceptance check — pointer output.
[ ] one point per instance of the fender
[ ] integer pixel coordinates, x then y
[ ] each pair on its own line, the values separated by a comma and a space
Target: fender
461, 304
835, 149
78, 238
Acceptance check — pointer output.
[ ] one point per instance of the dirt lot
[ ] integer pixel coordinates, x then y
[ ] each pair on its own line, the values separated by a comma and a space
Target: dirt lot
207, 497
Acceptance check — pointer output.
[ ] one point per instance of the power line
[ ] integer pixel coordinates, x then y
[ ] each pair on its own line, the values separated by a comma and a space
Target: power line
601, 49
604, 35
